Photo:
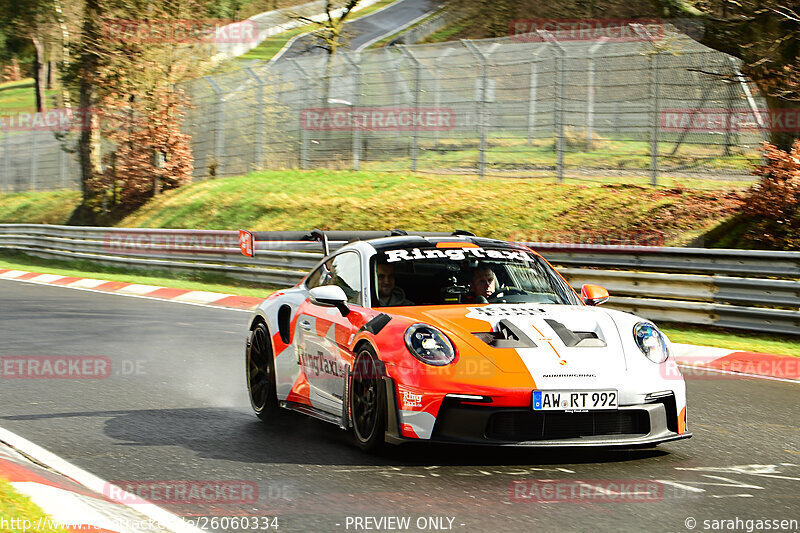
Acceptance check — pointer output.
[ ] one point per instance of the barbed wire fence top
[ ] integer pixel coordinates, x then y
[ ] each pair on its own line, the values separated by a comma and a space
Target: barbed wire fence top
642, 111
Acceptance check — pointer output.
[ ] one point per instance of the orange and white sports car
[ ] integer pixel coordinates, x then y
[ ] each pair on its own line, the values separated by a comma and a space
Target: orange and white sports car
454, 338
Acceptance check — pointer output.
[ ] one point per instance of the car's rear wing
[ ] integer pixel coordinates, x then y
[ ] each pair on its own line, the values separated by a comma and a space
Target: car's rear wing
249, 239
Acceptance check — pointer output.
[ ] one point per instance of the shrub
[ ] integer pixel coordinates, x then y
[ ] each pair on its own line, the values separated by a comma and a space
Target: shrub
773, 204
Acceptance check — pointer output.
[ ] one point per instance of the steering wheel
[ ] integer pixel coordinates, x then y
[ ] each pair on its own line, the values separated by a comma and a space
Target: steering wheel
505, 291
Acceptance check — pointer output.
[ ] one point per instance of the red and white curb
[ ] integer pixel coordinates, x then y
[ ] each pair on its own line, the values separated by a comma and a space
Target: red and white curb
214, 299
697, 357
725, 361
72, 498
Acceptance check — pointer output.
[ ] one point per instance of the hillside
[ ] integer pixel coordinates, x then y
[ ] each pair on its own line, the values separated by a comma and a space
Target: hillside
493, 207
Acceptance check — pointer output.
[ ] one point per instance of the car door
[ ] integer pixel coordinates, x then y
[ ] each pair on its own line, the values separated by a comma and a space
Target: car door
324, 334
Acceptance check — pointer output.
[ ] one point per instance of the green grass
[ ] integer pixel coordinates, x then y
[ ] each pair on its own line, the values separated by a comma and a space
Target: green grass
733, 339
14, 506
607, 154
447, 32
348, 200
197, 281
50, 207
19, 97
272, 45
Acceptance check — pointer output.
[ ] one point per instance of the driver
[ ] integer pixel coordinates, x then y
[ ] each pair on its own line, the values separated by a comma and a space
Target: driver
388, 293
483, 285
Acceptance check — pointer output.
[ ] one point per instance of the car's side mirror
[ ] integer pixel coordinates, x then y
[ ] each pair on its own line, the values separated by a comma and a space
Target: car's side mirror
594, 294
329, 296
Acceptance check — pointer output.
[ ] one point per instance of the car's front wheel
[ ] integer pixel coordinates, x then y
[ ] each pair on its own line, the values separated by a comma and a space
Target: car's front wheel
261, 374
367, 402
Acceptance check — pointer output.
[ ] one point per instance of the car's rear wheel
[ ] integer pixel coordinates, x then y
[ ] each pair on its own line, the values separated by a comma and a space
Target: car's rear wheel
261, 374
367, 402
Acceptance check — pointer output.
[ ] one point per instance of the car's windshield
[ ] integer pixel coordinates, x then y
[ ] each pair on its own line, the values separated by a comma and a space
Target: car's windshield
458, 273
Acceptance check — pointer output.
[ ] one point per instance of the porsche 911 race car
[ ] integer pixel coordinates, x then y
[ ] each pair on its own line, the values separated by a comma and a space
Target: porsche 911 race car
454, 338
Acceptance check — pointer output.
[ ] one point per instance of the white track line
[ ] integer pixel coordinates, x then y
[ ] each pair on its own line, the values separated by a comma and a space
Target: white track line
94, 483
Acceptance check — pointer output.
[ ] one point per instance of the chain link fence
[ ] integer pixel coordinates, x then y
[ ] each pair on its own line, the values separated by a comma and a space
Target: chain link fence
634, 112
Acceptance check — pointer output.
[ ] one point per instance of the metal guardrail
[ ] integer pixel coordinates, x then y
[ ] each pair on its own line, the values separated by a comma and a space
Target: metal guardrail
741, 289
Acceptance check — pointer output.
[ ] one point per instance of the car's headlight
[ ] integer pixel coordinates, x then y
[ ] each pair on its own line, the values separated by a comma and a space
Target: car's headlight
429, 345
651, 342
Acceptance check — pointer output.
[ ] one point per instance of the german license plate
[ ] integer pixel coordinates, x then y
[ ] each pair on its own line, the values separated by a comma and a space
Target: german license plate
575, 400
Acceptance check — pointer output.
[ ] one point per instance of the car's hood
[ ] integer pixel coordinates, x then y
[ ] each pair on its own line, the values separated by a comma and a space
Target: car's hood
573, 344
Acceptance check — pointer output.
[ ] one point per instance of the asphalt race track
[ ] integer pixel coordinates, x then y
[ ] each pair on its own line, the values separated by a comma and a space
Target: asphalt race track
363, 30
175, 408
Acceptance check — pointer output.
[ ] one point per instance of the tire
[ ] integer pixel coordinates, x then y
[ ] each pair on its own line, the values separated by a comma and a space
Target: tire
368, 402
260, 370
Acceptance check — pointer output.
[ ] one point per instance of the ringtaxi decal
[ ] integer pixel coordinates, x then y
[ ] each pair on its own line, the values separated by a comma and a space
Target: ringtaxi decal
456, 254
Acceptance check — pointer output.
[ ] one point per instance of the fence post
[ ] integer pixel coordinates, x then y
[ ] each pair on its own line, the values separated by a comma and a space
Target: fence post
560, 81
219, 134
417, 89
259, 151
482, 99
356, 104
303, 131
6, 175
590, 95
437, 89
654, 101
532, 97
34, 160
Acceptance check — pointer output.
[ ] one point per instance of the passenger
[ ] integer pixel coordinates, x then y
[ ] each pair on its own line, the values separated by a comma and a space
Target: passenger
389, 294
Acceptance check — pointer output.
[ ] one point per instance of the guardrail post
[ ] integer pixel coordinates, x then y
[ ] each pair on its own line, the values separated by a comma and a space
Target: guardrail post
560, 81
303, 131
356, 104
219, 136
417, 89
259, 151
590, 89
34, 160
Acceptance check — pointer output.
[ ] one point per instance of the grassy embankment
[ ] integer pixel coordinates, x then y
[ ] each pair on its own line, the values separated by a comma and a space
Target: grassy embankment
17, 510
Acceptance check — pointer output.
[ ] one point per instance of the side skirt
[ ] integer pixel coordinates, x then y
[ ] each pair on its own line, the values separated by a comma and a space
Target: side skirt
310, 411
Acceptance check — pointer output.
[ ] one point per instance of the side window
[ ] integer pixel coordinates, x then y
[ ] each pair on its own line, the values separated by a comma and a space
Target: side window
343, 270
319, 276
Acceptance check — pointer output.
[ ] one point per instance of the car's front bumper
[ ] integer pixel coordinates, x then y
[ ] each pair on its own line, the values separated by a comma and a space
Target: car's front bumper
646, 424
